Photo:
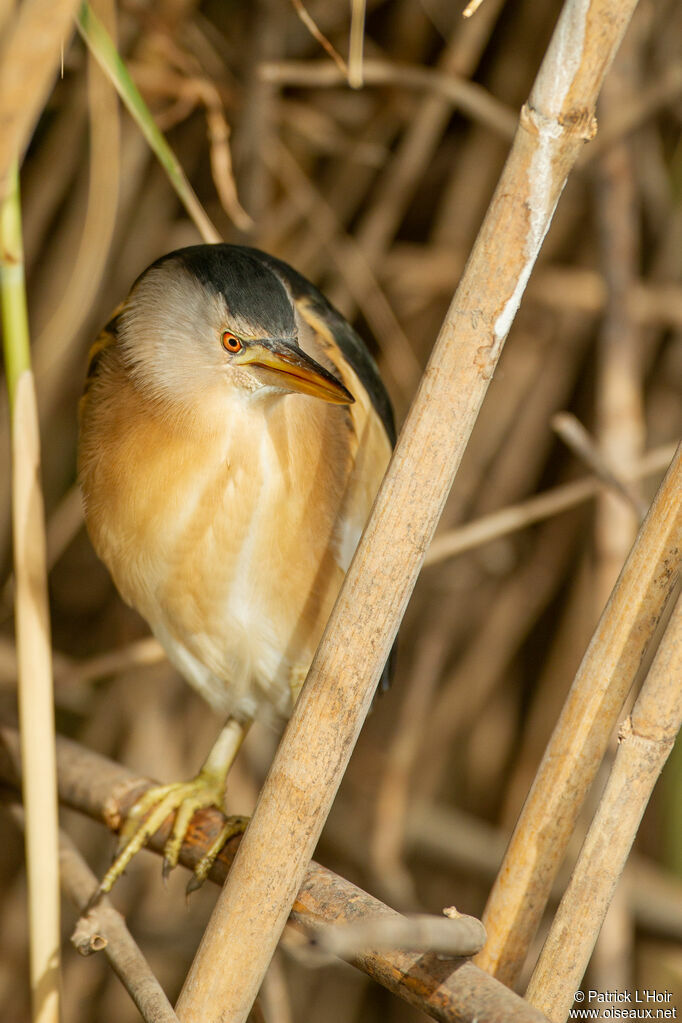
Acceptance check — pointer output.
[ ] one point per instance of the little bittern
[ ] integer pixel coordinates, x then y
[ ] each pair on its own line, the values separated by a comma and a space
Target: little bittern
233, 434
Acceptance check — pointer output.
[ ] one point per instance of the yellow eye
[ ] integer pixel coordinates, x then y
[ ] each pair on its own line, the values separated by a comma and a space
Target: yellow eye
231, 342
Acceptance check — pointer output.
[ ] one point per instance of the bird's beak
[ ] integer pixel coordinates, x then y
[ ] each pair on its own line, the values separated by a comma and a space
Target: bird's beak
287, 366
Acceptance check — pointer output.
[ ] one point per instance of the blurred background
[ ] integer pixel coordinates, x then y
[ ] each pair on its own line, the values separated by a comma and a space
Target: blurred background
376, 194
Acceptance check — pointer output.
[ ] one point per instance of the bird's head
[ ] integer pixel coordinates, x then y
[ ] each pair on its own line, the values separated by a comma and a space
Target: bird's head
212, 320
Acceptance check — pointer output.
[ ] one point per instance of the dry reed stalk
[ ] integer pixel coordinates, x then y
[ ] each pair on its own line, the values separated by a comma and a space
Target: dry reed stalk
391, 876
535, 509
444, 989
56, 338
29, 62
468, 845
620, 423
255, 902
104, 929
416, 275
103, 49
646, 739
356, 44
664, 90
319, 36
32, 624
472, 99
582, 444
404, 172
453, 934
517, 605
581, 736
474, 173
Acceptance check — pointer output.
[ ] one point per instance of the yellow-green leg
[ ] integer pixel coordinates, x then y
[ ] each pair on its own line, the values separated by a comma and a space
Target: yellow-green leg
151, 810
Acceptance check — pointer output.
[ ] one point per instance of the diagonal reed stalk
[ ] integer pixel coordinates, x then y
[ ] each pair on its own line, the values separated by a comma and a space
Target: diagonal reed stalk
101, 45
32, 623
581, 736
646, 739
254, 904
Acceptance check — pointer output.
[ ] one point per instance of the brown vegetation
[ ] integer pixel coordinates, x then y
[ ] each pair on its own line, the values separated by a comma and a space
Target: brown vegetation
377, 194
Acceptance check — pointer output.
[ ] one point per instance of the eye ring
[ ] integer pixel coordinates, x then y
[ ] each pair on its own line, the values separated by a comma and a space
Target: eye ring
231, 342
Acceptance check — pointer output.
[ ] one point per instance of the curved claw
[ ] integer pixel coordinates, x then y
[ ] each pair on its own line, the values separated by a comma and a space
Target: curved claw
149, 813
233, 826
183, 799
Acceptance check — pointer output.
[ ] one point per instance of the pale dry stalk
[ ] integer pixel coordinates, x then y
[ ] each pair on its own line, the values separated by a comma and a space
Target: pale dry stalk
403, 173
580, 441
55, 341
356, 44
453, 934
104, 929
472, 99
391, 811
620, 423
254, 904
535, 509
35, 703
32, 622
646, 739
581, 736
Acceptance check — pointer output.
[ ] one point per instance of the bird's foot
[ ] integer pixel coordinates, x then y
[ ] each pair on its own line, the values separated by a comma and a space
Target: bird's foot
152, 809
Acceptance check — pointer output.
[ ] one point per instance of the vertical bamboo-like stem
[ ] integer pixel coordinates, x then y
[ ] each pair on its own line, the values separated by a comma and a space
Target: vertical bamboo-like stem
621, 427
356, 44
32, 624
647, 738
255, 902
581, 736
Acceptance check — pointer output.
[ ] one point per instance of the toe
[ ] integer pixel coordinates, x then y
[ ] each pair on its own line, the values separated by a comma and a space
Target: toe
232, 826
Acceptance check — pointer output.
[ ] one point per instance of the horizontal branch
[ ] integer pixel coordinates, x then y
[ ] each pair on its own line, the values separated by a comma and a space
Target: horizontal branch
537, 508
445, 989
471, 98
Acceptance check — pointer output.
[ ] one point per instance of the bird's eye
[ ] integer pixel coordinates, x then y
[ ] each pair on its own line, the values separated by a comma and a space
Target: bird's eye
231, 342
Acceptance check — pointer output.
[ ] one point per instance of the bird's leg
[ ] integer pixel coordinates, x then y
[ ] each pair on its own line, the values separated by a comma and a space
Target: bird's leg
151, 810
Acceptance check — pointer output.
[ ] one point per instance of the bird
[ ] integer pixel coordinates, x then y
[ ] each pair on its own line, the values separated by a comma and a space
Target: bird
233, 433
